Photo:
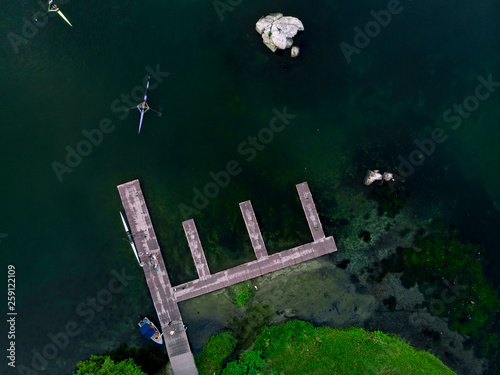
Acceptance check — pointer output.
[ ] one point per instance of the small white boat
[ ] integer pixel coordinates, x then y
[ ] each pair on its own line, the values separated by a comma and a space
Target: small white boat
149, 330
130, 239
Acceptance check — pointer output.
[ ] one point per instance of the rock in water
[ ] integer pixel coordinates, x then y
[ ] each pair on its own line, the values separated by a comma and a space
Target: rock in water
372, 176
278, 31
295, 51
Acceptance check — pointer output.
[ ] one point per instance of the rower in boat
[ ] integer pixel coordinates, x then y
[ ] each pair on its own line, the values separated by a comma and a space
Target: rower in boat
52, 6
143, 107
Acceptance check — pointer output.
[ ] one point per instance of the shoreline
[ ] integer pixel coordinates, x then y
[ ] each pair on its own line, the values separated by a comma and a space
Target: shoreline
338, 291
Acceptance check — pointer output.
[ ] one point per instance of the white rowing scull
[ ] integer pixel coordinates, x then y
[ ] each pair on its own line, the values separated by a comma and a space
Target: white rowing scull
143, 107
130, 239
54, 8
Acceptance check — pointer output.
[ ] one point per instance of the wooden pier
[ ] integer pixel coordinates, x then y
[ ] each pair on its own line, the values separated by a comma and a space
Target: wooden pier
196, 249
253, 230
310, 210
254, 269
165, 297
178, 349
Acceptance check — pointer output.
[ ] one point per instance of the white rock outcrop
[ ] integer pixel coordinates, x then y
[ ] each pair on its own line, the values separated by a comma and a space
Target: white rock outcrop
278, 31
372, 176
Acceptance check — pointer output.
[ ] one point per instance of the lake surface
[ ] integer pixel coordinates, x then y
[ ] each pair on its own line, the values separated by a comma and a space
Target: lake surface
216, 85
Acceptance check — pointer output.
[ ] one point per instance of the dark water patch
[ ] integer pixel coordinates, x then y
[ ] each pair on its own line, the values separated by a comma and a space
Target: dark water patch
343, 265
365, 236
390, 302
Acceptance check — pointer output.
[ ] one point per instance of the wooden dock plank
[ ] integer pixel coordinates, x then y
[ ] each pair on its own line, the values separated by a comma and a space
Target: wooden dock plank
257, 268
253, 229
310, 210
165, 298
196, 249
164, 301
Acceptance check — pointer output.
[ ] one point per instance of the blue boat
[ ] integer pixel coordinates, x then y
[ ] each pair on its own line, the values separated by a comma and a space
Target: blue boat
149, 330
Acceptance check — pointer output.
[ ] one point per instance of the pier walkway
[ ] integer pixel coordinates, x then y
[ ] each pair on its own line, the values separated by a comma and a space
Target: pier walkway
253, 229
196, 249
165, 297
178, 349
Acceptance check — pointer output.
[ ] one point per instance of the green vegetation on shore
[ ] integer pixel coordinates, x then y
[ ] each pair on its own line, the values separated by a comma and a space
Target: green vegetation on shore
298, 347
216, 349
104, 365
243, 293
124, 360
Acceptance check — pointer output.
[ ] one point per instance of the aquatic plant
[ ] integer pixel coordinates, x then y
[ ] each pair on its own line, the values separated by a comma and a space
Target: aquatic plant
243, 294
390, 302
449, 274
365, 236
390, 199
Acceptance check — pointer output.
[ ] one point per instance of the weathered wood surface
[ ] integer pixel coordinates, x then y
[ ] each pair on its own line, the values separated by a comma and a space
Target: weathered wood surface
165, 297
310, 210
253, 230
255, 268
157, 279
197, 252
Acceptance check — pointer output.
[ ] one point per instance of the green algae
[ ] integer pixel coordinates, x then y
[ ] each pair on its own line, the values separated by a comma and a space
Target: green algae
449, 273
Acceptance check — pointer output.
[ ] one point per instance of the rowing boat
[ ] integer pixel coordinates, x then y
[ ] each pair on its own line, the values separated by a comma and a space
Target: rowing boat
149, 330
143, 107
54, 8
130, 239
64, 18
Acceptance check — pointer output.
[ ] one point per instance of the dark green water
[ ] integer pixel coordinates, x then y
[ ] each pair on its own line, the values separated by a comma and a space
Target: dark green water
65, 238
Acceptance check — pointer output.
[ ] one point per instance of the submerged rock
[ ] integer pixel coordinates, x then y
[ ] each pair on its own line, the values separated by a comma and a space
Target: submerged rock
278, 31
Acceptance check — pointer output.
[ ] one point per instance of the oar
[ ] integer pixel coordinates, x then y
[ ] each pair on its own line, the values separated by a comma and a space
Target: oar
43, 14
151, 109
159, 113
